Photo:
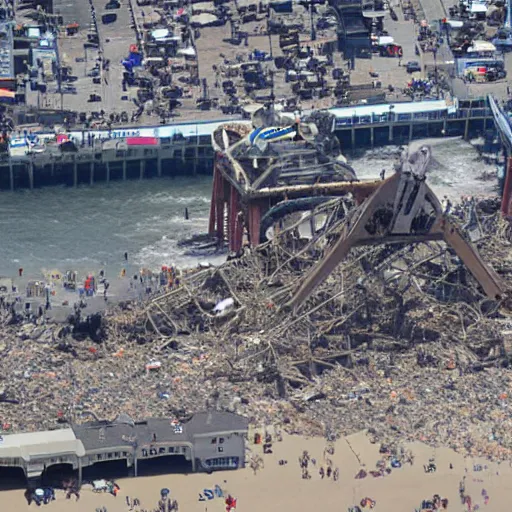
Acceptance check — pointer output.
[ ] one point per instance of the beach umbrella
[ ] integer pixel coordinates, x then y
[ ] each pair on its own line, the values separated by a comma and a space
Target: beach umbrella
165, 492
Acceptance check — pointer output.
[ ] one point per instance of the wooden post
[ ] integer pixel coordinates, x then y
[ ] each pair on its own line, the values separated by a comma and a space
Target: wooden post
353, 134
108, 172
91, 173
410, 131
75, 173
372, 134
466, 130
159, 166
390, 132
124, 169
142, 169
11, 174
445, 125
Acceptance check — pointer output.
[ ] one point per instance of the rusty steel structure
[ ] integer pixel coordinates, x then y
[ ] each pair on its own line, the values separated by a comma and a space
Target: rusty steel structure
403, 209
251, 181
258, 182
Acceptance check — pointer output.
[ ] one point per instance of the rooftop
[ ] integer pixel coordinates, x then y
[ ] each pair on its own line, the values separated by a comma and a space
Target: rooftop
33, 444
123, 431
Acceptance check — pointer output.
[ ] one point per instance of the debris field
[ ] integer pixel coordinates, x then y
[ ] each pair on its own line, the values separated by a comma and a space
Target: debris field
399, 340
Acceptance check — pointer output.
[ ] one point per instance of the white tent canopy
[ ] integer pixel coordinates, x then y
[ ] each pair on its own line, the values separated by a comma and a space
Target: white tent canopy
204, 19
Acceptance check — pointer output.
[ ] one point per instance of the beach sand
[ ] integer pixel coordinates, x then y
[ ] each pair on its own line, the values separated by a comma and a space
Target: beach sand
281, 488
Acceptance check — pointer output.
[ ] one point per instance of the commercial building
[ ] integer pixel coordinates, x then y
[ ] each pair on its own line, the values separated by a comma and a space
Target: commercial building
208, 441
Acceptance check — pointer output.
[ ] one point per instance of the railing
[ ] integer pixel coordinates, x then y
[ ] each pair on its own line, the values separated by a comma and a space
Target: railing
417, 116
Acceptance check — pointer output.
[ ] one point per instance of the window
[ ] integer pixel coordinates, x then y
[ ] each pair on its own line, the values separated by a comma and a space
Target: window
125, 454
144, 453
221, 440
99, 456
110, 455
214, 440
117, 455
161, 450
171, 449
220, 449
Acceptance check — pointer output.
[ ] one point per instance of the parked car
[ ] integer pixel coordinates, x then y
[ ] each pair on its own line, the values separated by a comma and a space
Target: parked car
413, 66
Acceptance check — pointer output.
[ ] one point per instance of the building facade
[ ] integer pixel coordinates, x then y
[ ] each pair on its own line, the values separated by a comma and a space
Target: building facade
208, 440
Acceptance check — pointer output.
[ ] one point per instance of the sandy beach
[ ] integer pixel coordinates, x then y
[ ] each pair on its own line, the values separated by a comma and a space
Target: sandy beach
280, 487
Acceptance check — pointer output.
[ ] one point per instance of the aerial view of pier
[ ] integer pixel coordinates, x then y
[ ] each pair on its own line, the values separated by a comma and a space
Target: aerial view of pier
255, 255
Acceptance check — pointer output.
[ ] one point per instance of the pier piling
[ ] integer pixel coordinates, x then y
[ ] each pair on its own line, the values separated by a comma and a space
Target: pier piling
124, 170
91, 174
31, 174
142, 169
108, 172
75, 174
11, 175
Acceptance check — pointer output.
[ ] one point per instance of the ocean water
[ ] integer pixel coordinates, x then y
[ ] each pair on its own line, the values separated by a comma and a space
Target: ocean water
90, 228
456, 169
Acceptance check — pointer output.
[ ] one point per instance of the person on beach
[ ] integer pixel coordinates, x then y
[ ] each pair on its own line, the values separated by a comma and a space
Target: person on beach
20, 271
125, 256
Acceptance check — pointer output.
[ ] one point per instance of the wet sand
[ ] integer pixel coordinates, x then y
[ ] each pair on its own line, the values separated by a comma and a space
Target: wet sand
281, 488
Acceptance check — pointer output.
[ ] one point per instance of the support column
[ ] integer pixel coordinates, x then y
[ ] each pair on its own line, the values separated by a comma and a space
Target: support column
159, 166
372, 135
124, 170
390, 133
194, 165
91, 173
410, 132
233, 214
444, 127
213, 202
75, 174
254, 224
312, 225
11, 174
142, 169
31, 174
79, 472
353, 134
220, 208
135, 464
108, 172
466, 130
